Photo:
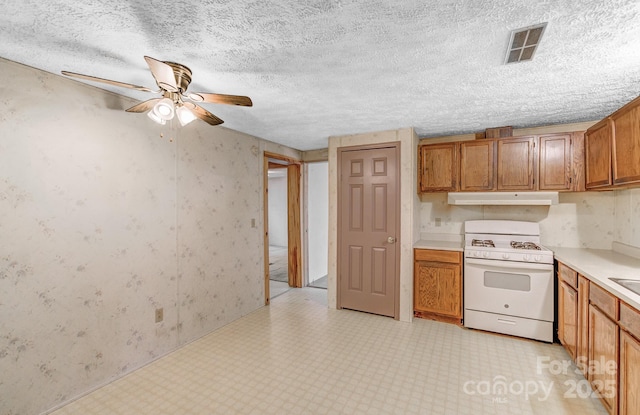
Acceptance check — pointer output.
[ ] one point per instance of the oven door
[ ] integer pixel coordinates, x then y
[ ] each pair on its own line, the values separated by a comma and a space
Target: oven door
510, 288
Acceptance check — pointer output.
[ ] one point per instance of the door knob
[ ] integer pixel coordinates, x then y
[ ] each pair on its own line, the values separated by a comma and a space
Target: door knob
391, 240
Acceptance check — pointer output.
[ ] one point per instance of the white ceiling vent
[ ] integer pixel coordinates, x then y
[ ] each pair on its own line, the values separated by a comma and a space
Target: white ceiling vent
524, 42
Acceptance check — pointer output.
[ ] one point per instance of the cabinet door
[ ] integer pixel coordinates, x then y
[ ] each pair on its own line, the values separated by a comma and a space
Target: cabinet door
629, 375
626, 143
577, 164
582, 351
438, 288
477, 168
438, 167
555, 162
516, 157
597, 148
603, 355
568, 318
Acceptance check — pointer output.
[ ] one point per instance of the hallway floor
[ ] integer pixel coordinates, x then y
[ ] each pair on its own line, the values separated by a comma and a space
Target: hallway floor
326, 361
278, 271
278, 264
320, 282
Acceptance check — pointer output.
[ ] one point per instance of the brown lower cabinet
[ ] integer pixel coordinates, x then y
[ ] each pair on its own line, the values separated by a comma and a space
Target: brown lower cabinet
582, 353
629, 374
603, 357
602, 335
437, 291
568, 318
629, 366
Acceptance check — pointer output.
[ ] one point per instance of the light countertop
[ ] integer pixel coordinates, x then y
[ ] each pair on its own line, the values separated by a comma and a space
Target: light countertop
440, 245
599, 264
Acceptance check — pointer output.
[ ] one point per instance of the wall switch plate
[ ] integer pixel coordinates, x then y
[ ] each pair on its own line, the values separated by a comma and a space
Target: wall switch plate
253, 223
438, 222
159, 315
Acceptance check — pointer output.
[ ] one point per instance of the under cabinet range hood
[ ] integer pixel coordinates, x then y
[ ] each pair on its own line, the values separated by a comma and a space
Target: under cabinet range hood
504, 198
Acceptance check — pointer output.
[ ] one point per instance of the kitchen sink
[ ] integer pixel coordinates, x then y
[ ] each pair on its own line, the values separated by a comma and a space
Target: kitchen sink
632, 285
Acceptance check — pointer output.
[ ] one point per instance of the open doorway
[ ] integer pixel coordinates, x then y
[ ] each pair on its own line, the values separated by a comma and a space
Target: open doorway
317, 220
282, 206
277, 235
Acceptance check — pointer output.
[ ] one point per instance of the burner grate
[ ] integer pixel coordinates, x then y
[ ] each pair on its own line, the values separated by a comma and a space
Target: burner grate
483, 242
525, 245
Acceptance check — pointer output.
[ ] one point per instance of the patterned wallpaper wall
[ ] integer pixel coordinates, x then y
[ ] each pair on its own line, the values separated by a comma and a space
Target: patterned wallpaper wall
102, 221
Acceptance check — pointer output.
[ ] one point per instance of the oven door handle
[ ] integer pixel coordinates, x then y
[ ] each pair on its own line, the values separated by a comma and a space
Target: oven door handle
520, 266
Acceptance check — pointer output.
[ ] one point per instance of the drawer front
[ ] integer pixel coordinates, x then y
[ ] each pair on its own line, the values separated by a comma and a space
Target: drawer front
606, 302
433, 255
630, 319
568, 275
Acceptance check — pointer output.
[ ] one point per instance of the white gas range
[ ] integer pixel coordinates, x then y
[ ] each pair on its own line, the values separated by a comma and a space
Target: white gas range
508, 279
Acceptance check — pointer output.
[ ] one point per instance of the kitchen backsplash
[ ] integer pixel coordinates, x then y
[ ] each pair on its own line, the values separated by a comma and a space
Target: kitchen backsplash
580, 220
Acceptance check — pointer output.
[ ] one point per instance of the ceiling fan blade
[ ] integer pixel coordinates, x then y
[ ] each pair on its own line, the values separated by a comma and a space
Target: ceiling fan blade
221, 99
108, 81
144, 106
203, 114
163, 74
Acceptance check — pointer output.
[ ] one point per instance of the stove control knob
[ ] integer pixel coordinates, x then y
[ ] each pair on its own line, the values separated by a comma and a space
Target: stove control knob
476, 254
505, 256
538, 258
485, 254
526, 258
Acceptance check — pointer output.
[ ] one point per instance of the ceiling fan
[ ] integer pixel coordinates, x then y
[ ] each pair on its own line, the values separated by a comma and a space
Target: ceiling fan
172, 79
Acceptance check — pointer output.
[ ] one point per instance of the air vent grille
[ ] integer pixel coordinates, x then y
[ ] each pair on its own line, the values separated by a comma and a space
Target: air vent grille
524, 42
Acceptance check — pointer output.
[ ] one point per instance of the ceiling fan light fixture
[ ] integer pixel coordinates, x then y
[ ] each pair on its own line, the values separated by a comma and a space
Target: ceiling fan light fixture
185, 115
155, 117
164, 109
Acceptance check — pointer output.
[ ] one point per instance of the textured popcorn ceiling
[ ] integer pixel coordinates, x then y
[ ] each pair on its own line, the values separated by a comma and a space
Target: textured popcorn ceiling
321, 68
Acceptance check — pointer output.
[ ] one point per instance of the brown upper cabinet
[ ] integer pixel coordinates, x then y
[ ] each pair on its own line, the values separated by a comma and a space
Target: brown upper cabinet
561, 162
438, 168
547, 162
555, 162
516, 157
477, 167
626, 143
597, 144
612, 149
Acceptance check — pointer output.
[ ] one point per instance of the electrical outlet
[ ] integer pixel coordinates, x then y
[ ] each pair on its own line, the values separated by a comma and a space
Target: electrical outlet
253, 223
438, 222
159, 315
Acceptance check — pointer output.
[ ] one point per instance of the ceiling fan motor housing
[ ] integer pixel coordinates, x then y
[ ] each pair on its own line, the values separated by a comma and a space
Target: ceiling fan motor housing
182, 74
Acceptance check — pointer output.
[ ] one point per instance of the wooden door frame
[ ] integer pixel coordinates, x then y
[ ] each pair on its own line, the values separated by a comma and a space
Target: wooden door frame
293, 220
374, 146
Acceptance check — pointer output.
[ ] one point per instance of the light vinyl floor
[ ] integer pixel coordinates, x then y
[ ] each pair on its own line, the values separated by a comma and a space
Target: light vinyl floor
297, 356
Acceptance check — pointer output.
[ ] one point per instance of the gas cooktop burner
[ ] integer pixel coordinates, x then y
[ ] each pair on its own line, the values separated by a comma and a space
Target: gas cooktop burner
480, 242
525, 245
